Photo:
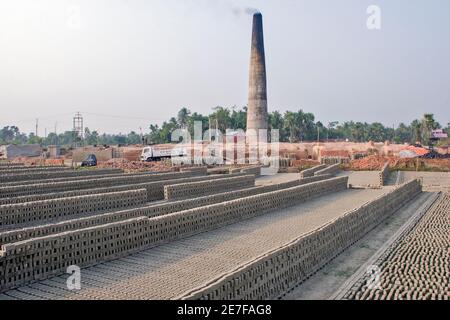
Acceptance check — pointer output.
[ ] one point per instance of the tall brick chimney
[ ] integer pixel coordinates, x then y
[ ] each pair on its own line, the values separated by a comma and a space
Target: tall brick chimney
257, 88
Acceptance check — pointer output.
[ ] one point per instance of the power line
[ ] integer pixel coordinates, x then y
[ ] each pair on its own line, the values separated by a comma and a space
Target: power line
44, 118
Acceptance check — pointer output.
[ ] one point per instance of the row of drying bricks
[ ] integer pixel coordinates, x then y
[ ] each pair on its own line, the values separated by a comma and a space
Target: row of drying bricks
15, 176
320, 170
416, 266
84, 180
37, 208
49, 189
15, 215
32, 258
23, 230
42, 208
272, 275
36, 174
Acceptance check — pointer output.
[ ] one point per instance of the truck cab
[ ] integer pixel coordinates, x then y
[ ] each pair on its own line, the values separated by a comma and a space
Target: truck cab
146, 154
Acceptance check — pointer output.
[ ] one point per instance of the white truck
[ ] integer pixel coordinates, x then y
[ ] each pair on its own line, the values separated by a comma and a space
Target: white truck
158, 153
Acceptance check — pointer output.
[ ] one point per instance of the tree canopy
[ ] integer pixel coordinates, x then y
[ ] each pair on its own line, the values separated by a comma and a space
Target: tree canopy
293, 126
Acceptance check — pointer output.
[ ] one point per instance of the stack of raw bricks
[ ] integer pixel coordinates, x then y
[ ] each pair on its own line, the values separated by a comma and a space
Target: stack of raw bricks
415, 266
384, 174
34, 252
334, 156
42, 202
273, 274
51, 224
311, 171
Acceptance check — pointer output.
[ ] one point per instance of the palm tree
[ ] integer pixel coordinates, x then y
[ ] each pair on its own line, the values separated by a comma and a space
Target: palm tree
331, 126
357, 131
319, 126
305, 125
290, 123
238, 118
376, 132
275, 120
183, 116
416, 128
300, 118
222, 116
428, 124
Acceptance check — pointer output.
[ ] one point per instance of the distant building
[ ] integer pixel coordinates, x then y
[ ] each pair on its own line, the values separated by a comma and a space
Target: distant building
439, 134
12, 151
54, 151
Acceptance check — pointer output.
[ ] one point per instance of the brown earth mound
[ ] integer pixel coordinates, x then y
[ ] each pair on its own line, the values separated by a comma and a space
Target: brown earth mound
135, 166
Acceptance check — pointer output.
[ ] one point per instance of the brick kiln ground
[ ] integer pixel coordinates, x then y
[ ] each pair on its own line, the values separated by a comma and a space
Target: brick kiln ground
415, 266
171, 270
331, 280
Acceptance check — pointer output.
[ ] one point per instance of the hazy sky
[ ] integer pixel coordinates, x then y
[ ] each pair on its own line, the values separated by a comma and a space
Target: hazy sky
127, 63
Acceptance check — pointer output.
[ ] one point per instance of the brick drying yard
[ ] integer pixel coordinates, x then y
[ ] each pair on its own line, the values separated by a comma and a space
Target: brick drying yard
197, 234
416, 266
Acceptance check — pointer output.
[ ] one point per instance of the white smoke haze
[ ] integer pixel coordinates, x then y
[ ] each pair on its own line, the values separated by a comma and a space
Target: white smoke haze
251, 11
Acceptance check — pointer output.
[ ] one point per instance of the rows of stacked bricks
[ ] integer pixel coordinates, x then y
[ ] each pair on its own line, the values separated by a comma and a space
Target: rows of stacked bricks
255, 169
384, 174
39, 258
200, 169
9, 164
155, 190
22, 214
23, 169
195, 189
105, 173
333, 169
274, 274
28, 176
148, 211
38, 188
417, 266
330, 157
310, 172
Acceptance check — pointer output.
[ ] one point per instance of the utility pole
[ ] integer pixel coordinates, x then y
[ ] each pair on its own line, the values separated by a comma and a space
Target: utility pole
37, 124
209, 127
56, 135
142, 136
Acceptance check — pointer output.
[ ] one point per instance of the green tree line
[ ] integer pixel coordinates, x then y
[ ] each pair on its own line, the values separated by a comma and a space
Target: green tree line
293, 127
299, 126
12, 135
